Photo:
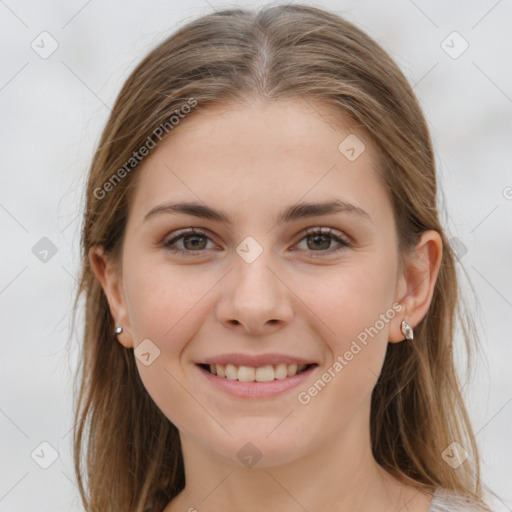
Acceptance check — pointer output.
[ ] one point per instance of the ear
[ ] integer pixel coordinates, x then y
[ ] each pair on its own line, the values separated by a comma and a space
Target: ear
416, 284
108, 273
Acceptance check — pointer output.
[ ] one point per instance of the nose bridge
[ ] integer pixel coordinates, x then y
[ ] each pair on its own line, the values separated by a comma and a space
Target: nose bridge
255, 286
254, 296
256, 280
253, 261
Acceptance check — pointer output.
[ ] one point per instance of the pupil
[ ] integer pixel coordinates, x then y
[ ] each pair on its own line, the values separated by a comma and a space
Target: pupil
318, 238
194, 240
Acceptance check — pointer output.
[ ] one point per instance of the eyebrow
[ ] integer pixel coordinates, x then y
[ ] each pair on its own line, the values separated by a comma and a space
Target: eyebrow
290, 214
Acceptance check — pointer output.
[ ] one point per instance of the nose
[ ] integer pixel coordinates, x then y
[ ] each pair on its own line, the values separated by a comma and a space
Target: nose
254, 299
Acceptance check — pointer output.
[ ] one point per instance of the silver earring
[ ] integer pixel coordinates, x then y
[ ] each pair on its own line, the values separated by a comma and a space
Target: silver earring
118, 330
407, 331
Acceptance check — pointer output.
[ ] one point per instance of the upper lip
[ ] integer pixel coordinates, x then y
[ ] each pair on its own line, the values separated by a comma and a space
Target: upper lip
255, 360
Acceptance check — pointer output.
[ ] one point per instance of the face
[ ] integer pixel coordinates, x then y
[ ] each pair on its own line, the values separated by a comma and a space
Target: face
250, 281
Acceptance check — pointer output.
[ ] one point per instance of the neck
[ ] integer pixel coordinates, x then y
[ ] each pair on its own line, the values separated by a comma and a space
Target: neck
341, 475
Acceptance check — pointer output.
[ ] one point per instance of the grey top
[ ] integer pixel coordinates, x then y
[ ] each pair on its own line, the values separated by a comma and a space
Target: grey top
444, 500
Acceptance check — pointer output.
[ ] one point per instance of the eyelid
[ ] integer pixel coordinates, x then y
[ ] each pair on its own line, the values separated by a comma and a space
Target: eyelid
328, 231
176, 235
343, 240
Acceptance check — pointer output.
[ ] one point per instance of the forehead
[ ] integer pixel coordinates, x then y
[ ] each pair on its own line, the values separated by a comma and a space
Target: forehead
247, 158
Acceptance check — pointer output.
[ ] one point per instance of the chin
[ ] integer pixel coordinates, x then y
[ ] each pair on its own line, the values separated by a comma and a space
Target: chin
258, 449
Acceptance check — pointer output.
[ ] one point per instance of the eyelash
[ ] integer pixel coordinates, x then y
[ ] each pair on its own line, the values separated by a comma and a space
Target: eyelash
344, 242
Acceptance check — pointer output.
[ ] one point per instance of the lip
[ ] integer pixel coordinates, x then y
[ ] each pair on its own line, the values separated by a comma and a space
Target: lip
256, 389
255, 360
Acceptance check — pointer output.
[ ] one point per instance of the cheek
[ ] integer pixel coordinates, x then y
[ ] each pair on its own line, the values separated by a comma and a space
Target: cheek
356, 307
352, 299
166, 305
165, 301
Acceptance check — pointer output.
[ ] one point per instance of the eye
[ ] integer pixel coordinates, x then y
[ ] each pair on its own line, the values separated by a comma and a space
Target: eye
193, 241
320, 240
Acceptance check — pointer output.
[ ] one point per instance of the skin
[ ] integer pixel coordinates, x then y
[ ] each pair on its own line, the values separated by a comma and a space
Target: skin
252, 161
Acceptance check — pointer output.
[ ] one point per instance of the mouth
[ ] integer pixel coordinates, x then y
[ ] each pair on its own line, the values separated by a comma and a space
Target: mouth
266, 373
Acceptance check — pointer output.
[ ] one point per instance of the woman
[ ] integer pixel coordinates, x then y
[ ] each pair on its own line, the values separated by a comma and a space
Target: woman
270, 296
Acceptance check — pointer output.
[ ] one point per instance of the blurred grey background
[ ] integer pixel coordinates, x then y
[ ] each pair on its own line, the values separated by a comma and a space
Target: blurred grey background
63, 64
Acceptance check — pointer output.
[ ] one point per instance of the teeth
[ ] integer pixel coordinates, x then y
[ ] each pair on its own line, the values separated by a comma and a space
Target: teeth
292, 370
261, 374
246, 374
281, 371
231, 372
264, 373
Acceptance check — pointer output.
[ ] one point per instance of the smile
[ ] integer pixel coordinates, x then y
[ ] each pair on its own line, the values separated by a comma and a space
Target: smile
265, 373
255, 382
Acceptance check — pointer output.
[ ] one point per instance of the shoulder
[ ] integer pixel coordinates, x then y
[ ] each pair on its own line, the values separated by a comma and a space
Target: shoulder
445, 500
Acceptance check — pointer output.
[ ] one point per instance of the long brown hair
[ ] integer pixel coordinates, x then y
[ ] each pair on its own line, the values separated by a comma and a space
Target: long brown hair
278, 52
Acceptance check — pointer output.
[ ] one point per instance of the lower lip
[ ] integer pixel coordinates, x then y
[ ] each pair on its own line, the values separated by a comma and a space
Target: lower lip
257, 389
